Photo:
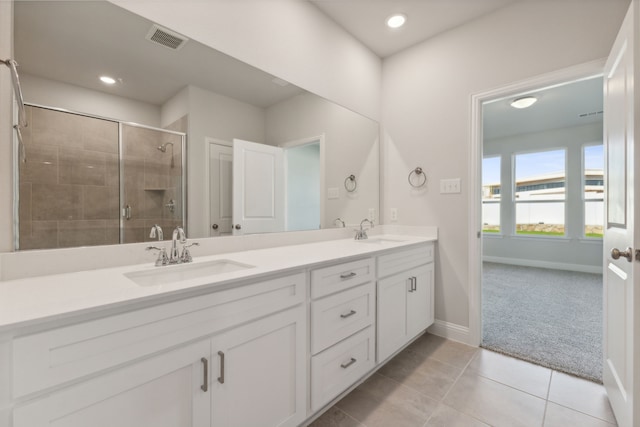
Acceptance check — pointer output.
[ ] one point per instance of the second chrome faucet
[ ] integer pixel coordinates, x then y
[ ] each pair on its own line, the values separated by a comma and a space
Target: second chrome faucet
174, 257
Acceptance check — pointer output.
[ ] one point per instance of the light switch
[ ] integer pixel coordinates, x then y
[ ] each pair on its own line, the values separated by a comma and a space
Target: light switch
333, 193
450, 186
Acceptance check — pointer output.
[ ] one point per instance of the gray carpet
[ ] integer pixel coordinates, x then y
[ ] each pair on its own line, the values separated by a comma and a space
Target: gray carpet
549, 317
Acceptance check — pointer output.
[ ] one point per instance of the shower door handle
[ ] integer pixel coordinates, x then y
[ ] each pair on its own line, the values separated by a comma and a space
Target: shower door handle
126, 212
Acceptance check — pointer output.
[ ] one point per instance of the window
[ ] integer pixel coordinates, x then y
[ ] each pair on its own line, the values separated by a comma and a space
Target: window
593, 185
540, 180
491, 194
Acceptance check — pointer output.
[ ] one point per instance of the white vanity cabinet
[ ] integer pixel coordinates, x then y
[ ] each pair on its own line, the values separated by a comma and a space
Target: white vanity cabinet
405, 297
342, 327
163, 366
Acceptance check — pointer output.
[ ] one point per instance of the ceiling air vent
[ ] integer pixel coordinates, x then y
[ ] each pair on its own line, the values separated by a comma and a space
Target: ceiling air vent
165, 37
591, 114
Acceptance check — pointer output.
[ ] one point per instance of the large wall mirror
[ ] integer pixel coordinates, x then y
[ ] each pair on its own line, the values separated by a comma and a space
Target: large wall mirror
183, 135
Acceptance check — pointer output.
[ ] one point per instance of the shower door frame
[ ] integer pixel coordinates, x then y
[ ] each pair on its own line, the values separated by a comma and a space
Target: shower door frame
16, 169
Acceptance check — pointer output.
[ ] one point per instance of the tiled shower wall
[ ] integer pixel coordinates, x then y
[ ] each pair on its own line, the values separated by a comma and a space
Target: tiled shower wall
69, 188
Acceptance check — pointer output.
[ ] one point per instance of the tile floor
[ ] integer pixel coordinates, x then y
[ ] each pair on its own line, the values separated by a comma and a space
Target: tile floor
437, 382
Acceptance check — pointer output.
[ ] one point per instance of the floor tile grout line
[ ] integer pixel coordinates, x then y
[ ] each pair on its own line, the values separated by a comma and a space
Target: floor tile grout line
352, 417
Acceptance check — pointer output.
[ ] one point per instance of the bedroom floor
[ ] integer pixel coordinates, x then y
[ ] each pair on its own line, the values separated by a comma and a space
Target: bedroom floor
438, 382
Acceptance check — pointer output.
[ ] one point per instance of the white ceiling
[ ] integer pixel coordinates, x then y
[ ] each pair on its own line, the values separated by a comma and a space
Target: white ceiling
568, 105
365, 19
77, 41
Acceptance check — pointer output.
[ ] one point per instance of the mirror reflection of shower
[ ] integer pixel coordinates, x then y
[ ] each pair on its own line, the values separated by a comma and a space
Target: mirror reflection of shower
163, 148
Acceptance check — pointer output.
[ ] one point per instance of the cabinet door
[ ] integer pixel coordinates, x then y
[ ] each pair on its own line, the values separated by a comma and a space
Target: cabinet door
162, 391
392, 314
420, 300
259, 376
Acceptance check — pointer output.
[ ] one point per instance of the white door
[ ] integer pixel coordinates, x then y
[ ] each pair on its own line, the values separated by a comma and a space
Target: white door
258, 187
392, 314
621, 373
260, 375
220, 184
162, 391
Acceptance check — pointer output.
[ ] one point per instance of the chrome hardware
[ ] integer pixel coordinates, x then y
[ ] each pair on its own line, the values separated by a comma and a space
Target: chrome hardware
340, 221
349, 314
414, 281
410, 279
362, 233
349, 363
237, 227
221, 377
348, 275
17, 89
617, 253
162, 259
638, 255
126, 212
174, 256
350, 183
156, 230
214, 226
417, 172
171, 205
186, 255
205, 377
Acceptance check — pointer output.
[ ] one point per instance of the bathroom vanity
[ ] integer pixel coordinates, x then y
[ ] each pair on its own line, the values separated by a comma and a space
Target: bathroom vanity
266, 337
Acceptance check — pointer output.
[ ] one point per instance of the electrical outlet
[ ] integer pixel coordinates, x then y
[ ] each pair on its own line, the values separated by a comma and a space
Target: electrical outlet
372, 214
394, 214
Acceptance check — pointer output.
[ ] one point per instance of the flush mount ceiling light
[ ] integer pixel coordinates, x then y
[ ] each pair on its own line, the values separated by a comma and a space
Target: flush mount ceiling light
396, 21
524, 102
107, 80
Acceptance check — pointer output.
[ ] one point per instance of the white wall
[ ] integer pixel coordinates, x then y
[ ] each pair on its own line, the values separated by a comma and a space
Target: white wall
175, 108
351, 147
51, 93
574, 251
216, 116
290, 39
426, 115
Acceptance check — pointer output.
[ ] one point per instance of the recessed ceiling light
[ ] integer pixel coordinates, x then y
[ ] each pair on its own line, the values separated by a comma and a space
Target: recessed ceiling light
524, 102
107, 80
396, 21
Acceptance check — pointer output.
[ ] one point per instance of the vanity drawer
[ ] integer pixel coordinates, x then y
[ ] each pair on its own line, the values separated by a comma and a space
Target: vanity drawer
404, 260
335, 278
335, 317
50, 358
340, 366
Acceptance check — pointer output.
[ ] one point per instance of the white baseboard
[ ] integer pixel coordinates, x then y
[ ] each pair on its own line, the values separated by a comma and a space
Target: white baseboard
451, 331
545, 264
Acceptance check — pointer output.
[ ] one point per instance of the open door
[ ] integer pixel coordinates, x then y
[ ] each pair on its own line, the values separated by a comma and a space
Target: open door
621, 373
258, 188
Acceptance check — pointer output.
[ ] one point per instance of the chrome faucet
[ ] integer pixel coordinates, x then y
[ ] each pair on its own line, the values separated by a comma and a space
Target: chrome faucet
362, 233
156, 230
339, 220
174, 256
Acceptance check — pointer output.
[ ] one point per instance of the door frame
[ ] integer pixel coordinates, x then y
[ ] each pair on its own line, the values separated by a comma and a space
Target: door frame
297, 143
583, 71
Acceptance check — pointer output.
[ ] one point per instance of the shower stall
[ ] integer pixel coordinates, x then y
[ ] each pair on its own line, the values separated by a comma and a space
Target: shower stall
85, 181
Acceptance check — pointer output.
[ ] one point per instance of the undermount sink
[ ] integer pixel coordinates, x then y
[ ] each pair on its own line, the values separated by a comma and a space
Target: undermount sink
181, 272
380, 240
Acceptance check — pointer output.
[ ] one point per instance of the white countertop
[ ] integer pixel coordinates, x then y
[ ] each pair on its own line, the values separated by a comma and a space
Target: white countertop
38, 300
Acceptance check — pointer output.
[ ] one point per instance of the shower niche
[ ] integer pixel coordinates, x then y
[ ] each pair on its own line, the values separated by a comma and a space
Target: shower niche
87, 181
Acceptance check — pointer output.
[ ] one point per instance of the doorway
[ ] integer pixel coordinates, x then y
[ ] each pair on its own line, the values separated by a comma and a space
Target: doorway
541, 216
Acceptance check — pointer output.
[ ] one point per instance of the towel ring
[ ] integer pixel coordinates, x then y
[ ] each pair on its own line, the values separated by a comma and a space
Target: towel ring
418, 172
350, 183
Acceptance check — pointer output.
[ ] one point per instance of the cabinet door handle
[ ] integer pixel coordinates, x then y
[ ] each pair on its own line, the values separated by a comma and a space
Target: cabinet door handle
410, 284
349, 363
205, 376
349, 314
414, 280
348, 275
221, 377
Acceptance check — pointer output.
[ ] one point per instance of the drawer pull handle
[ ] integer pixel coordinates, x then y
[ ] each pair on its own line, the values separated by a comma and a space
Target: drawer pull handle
348, 275
221, 377
349, 314
205, 376
349, 363
414, 279
410, 279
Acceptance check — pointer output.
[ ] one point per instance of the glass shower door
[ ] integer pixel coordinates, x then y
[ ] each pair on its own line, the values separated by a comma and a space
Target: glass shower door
152, 178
